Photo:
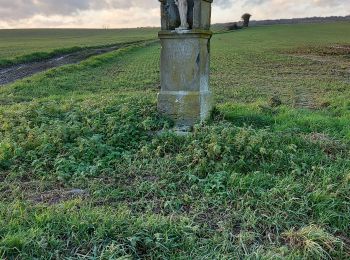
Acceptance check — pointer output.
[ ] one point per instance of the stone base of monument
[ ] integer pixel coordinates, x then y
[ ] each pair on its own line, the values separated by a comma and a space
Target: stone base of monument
185, 95
185, 107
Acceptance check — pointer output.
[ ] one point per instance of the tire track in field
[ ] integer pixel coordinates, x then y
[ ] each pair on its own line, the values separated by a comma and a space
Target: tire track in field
20, 71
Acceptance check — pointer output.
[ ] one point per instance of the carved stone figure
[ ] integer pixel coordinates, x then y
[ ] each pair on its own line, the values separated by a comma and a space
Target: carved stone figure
170, 14
182, 5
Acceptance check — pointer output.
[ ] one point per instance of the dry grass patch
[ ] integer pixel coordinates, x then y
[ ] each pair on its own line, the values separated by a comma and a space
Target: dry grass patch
314, 241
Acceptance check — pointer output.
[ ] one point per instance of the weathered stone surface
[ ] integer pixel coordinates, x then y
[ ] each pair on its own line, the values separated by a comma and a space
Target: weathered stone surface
185, 95
185, 107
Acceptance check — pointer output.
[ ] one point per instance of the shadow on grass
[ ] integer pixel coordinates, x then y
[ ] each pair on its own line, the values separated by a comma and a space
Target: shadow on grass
287, 119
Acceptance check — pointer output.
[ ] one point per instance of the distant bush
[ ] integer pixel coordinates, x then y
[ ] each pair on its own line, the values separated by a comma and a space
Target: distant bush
233, 26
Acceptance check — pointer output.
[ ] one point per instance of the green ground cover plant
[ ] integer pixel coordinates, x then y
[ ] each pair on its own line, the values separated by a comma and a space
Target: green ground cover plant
90, 170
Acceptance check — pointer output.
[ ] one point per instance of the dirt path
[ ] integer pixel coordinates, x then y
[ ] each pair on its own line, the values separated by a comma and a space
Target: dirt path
16, 72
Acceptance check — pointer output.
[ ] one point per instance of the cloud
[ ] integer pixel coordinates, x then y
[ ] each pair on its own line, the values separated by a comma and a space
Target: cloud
223, 3
311, 2
273, 9
132, 13
19, 9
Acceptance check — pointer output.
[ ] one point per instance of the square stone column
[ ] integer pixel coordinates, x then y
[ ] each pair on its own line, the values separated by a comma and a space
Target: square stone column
185, 38
185, 94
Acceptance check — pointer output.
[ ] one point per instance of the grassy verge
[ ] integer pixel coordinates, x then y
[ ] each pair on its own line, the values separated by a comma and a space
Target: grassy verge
23, 45
40, 56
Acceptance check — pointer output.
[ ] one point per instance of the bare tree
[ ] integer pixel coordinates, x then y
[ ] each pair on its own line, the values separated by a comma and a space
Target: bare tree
246, 19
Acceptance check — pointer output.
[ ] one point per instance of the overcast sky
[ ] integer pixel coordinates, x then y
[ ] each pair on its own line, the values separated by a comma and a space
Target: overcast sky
135, 13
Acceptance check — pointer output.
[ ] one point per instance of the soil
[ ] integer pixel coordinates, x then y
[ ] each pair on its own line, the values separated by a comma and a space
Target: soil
57, 196
20, 71
304, 99
336, 56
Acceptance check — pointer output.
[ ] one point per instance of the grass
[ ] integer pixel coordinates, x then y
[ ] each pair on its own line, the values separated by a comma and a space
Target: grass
83, 174
18, 46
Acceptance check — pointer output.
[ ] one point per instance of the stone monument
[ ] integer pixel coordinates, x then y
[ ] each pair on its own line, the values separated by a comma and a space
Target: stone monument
185, 39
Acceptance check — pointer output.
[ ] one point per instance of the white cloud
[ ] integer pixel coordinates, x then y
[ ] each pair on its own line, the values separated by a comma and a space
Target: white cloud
134, 13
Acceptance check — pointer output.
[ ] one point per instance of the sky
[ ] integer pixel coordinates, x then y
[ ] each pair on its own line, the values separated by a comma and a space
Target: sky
141, 13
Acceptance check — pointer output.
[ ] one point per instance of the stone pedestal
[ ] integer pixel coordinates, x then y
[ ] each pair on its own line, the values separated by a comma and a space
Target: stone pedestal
185, 95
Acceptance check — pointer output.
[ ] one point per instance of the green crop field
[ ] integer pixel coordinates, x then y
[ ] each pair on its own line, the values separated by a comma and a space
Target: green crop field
19, 45
85, 172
